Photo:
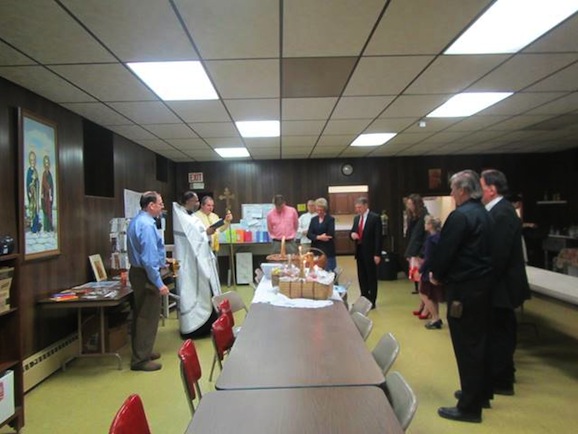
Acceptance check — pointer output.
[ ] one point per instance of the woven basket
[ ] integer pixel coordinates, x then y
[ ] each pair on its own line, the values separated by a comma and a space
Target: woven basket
312, 257
300, 288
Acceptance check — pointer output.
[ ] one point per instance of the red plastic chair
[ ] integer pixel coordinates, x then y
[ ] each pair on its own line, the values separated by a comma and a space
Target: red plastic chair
190, 372
225, 308
131, 418
223, 339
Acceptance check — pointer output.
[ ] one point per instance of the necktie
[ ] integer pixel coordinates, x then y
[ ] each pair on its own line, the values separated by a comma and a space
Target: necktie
360, 227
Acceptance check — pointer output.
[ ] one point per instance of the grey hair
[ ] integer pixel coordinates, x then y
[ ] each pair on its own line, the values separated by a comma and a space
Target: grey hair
469, 181
435, 223
361, 201
322, 202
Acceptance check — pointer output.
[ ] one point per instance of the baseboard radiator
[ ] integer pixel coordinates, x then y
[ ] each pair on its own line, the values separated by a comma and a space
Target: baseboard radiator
44, 363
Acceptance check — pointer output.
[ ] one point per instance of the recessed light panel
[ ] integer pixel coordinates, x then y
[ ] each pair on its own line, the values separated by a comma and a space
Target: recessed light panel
510, 25
373, 139
232, 152
259, 128
176, 81
467, 104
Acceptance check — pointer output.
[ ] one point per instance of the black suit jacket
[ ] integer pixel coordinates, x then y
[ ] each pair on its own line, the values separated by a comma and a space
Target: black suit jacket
511, 283
371, 238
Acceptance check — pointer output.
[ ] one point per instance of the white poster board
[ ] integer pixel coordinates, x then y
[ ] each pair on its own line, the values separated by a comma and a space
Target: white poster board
131, 203
254, 215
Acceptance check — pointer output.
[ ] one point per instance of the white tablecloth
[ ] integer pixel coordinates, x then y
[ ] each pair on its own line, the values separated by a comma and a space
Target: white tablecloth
267, 293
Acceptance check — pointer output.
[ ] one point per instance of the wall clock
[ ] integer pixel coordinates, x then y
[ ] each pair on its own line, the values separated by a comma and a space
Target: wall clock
347, 169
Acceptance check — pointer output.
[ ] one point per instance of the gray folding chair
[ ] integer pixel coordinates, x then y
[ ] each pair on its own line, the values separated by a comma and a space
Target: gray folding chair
363, 323
235, 301
361, 305
401, 397
385, 352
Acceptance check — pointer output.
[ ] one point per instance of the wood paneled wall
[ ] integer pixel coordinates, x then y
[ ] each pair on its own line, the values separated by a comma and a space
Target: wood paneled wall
84, 219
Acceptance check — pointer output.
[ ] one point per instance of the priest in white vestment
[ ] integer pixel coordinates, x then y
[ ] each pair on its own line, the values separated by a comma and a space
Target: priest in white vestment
198, 278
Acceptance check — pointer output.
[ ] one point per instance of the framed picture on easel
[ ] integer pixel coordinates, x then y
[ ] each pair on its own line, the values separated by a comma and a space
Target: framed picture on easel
38, 186
97, 268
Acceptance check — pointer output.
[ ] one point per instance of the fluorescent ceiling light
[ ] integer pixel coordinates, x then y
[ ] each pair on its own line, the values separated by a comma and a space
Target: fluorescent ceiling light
176, 81
467, 104
259, 128
232, 152
510, 25
373, 139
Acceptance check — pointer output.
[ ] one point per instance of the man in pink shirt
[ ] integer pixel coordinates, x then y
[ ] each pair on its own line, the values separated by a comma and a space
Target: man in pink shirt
282, 221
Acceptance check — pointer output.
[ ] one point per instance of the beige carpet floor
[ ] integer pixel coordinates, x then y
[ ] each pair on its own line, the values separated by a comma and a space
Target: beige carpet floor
85, 397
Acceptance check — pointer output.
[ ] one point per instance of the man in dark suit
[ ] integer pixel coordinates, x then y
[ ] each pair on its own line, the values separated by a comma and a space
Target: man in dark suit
510, 288
463, 263
366, 232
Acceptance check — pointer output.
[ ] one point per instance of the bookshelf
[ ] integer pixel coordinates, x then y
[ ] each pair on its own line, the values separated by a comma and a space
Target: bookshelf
11, 340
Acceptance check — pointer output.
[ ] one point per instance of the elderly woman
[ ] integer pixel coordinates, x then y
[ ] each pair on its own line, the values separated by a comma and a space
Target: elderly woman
322, 233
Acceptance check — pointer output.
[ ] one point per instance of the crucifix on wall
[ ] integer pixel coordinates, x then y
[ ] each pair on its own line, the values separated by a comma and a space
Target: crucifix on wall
227, 196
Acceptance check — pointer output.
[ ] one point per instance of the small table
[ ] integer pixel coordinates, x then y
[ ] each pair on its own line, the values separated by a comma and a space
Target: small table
100, 303
282, 347
309, 410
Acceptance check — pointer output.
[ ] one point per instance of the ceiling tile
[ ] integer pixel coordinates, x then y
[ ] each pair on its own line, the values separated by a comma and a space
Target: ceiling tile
518, 122
308, 77
200, 111
564, 80
360, 107
225, 29
390, 125
188, 144
132, 132
262, 142
335, 141
298, 142
107, 82
453, 74
245, 78
562, 105
215, 129
302, 128
98, 113
148, 112
225, 142
307, 108
523, 70
11, 57
476, 122
171, 131
385, 75
417, 106
253, 109
432, 125
43, 82
135, 37
327, 27
46, 32
346, 126
417, 27
520, 103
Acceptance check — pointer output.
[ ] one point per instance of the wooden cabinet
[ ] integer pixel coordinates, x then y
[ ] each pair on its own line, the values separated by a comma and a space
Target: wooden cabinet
11, 340
342, 203
344, 245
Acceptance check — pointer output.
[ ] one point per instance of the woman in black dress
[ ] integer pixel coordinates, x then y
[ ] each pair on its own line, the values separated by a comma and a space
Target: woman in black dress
416, 234
322, 233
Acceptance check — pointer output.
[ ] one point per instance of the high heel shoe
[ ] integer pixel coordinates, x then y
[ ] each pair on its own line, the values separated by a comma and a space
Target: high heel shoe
422, 316
433, 325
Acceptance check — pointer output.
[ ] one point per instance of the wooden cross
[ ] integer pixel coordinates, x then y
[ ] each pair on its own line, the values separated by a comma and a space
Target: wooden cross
227, 196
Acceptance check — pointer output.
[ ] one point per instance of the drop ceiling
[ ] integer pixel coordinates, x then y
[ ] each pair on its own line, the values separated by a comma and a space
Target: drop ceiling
329, 70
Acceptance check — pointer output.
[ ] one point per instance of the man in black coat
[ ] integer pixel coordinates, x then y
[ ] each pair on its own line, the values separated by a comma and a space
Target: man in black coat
463, 263
366, 232
510, 288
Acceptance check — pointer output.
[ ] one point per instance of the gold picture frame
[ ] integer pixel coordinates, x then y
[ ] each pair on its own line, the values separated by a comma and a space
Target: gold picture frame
98, 268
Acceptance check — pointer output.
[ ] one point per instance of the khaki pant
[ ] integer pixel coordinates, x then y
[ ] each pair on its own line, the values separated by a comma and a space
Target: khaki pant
146, 315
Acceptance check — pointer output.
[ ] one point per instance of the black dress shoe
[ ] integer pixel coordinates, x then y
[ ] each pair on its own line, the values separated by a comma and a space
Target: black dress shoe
508, 391
433, 325
454, 413
485, 404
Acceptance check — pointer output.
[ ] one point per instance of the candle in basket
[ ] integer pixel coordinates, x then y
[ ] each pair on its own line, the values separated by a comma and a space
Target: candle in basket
283, 252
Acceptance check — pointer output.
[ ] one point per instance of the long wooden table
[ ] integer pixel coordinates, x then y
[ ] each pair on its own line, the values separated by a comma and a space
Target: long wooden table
281, 347
336, 410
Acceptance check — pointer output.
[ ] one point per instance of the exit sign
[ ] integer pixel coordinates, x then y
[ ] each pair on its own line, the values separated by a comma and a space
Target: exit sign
195, 177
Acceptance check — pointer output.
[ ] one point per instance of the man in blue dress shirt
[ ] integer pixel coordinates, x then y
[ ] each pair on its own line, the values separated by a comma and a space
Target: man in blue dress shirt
146, 254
